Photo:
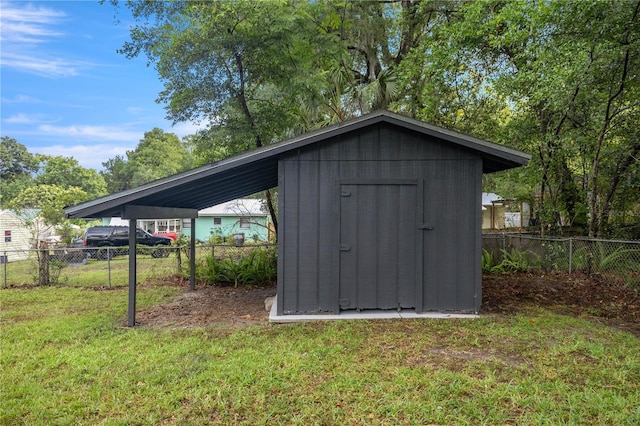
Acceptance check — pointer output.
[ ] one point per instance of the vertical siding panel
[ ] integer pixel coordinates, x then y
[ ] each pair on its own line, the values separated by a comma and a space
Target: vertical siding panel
281, 232
447, 193
308, 213
477, 271
328, 234
348, 258
367, 246
406, 236
388, 247
290, 241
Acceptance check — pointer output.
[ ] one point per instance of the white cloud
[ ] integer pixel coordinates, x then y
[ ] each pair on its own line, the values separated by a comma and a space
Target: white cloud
44, 67
135, 110
88, 156
185, 129
96, 133
20, 99
23, 119
27, 24
22, 27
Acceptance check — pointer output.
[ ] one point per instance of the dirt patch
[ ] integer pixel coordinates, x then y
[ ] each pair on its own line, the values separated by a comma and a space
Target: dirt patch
574, 294
209, 305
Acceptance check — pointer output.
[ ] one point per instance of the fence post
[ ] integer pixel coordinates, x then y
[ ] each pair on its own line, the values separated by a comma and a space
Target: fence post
570, 254
108, 267
43, 264
6, 260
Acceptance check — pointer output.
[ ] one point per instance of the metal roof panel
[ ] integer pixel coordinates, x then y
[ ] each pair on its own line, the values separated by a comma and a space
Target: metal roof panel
257, 170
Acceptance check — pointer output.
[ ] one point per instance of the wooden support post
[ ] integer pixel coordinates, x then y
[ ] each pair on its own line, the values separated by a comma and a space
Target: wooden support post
192, 258
132, 273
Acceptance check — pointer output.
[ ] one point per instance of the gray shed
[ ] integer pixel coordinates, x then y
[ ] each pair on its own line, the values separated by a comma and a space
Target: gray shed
384, 216
378, 212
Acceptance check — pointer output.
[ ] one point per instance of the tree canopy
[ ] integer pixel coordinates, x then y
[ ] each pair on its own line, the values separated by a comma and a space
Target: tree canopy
44, 182
557, 79
159, 154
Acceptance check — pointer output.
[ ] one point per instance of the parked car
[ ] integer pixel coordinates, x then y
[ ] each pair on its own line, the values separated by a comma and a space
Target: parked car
171, 234
108, 239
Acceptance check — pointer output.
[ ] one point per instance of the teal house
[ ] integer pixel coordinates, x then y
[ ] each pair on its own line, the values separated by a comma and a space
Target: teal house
242, 216
248, 217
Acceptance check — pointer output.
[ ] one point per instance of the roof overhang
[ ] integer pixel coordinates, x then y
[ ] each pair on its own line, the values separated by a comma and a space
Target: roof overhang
257, 170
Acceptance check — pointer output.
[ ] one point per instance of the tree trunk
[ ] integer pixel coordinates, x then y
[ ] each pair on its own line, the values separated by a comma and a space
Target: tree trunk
43, 264
241, 97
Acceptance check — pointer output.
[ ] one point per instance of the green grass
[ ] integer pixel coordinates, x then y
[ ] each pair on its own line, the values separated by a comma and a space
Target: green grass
94, 273
66, 359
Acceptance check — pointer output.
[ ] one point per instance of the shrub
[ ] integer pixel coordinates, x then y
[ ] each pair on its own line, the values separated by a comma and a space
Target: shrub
512, 261
487, 261
258, 267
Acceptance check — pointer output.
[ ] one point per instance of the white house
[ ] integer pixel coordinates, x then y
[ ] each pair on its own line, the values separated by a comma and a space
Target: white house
493, 210
15, 240
499, 213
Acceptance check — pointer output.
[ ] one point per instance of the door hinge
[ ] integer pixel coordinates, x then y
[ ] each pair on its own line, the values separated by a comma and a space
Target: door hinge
345, 247
345, 193
426, 226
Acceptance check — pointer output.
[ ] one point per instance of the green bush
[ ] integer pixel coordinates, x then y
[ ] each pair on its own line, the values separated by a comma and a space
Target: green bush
487, 261
258, 267
512, 261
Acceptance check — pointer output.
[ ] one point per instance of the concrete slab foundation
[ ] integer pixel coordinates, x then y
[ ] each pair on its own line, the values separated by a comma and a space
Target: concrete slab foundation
366, 315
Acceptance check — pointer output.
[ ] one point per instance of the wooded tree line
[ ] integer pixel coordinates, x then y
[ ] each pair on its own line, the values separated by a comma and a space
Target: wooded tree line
557, 79
50, 183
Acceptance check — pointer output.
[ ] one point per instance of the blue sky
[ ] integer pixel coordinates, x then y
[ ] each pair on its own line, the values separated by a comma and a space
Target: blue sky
64, 88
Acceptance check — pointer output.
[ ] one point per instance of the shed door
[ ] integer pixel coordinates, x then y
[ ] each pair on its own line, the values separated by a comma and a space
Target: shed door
378, 240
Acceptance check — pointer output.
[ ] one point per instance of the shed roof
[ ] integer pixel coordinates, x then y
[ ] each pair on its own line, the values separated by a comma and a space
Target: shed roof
257, 170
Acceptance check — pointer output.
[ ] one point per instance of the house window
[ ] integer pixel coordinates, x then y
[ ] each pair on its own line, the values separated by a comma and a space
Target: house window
7, 236
186, 223
245, 223
217, 221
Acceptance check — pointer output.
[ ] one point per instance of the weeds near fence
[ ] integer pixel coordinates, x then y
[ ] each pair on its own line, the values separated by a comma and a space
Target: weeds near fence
511, 261
258, 266
612, 261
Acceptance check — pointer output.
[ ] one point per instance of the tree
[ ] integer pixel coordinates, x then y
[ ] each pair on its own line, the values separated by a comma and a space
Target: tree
15, 160
117, 174
66, 172
556, 79
242, 66
159, 154
260, 71
16, 168
40, 207
48, 201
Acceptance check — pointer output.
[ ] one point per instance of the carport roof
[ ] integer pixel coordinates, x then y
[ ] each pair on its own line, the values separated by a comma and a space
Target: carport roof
257, 170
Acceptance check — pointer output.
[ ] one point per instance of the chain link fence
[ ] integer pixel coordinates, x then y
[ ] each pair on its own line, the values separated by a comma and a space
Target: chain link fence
105, 266
610, 260
613, 261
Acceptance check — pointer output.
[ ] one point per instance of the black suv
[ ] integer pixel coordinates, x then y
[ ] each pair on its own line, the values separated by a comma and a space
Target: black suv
105, 237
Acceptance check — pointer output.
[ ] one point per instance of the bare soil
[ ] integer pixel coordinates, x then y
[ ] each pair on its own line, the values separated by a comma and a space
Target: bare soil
575, 294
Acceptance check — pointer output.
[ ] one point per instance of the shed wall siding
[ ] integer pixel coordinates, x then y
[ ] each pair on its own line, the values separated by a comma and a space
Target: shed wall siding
309, 203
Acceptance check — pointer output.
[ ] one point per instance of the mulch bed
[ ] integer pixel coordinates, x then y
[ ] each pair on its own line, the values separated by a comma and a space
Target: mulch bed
575, 294
505, 294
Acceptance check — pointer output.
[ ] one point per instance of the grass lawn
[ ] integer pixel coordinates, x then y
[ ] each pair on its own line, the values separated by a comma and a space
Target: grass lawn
66, 359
